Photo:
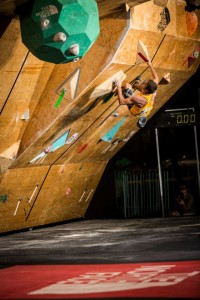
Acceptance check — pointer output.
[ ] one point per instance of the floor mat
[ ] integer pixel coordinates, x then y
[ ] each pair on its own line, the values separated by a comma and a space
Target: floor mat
145, 280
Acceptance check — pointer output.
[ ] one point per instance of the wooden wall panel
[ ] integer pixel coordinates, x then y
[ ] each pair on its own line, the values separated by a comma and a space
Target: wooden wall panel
173, 54
127, 53
87, 111
147, 16
25, 95
69, 175
104, 48
73, 186
181, 26
17, 196
20, 72
12, 56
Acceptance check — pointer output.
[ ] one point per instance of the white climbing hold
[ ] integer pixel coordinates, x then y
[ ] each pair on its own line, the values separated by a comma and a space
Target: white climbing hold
76, 59
74, 49
44, 23
59, 37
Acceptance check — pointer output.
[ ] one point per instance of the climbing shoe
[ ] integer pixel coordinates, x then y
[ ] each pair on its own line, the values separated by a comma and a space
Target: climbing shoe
141, 122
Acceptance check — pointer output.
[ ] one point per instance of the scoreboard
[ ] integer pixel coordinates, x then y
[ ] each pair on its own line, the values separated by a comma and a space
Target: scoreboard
171, 118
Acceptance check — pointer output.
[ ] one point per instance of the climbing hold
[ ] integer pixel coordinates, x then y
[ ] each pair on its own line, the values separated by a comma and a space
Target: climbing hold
142, 53
68, 88
68, 141
3, 198
192, 22
165, 19
75, 59
60, 37
111, 133
82, 196
196, 54
192, 57
26, 115
33, 193
38, 157
60, 98
47, 150
82, 148
74, 49
165, 79
60, 141
106, 87
68, 191
44, 23
11, 152
16, 209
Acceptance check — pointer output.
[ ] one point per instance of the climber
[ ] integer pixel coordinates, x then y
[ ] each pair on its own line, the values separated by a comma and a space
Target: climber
140, 104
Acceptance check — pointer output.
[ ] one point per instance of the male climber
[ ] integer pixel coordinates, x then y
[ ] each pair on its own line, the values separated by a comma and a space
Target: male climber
139, 103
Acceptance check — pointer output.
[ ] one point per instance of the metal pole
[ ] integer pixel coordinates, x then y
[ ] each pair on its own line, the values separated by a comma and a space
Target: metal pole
159, 173
197, 156
124, 192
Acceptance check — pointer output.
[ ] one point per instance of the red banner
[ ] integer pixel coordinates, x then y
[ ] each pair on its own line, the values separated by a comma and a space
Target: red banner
153, 280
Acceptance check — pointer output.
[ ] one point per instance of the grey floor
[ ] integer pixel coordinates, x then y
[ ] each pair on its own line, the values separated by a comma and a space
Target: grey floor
105, 241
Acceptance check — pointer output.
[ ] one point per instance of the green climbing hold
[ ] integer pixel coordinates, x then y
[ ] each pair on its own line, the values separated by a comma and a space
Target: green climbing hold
3, 198
60, 98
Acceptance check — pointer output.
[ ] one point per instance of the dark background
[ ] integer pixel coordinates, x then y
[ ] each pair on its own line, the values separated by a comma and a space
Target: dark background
176, 145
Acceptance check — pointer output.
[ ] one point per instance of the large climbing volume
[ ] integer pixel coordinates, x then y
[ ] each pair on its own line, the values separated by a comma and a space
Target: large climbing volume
52, 33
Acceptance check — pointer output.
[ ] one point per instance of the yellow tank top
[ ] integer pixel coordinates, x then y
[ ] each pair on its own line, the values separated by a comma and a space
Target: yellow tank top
145, 110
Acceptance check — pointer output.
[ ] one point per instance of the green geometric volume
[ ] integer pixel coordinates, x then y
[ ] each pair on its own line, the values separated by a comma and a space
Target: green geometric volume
60, 31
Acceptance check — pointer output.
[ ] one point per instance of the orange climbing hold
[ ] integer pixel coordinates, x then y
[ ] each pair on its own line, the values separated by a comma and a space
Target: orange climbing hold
191, 21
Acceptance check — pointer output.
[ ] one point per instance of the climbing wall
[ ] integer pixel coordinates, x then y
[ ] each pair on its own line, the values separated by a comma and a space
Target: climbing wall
61, 124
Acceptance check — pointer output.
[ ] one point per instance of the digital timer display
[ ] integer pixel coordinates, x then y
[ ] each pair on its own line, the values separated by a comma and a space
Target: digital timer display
177, 118
184, 118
